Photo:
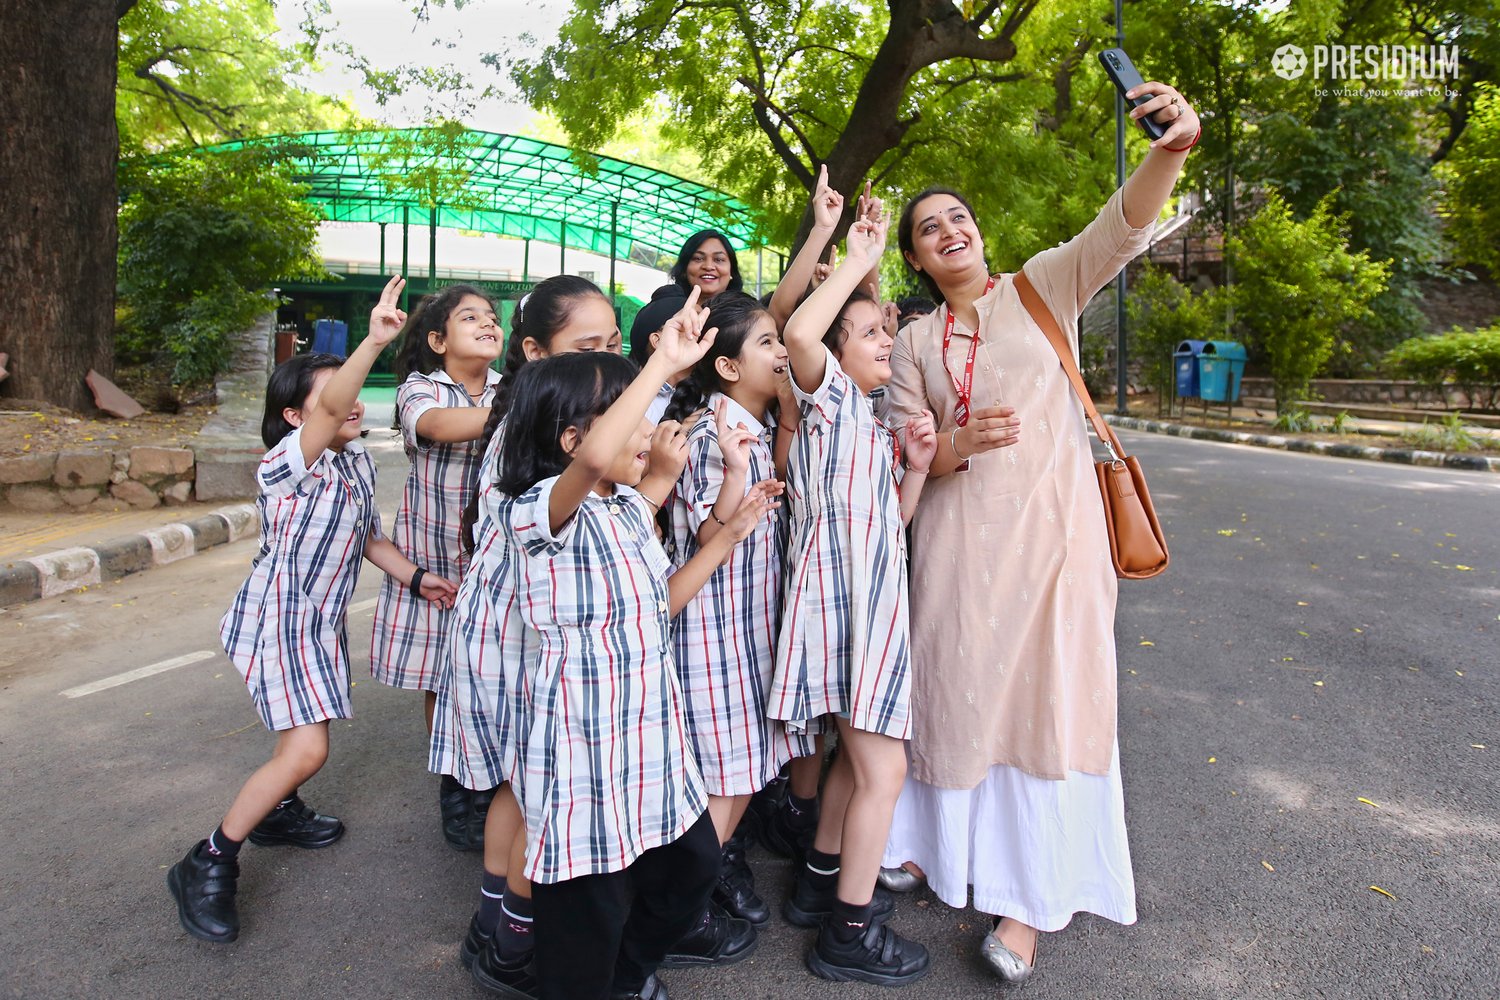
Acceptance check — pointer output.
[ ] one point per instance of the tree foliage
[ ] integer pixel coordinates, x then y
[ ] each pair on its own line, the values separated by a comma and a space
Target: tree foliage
1298, 284
997, 99
199, 71
1469, 359
1472, 179
1163, 312
202, 241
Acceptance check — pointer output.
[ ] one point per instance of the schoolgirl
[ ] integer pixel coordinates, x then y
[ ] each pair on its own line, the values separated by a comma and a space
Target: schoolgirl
620, 849
285, 631
447, 348
644, 329
472, 739
843, 647
724, 642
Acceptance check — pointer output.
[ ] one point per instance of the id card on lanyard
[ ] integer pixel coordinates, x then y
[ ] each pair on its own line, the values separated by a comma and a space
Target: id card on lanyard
963, 388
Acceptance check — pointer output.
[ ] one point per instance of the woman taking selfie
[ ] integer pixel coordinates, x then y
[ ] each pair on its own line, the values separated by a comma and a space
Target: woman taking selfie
1014, 785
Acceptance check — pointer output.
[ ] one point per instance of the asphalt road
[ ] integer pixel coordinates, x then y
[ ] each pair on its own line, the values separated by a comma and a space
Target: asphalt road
1329, 632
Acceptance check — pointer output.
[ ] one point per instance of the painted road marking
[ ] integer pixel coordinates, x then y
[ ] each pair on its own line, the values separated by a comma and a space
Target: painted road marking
139, 672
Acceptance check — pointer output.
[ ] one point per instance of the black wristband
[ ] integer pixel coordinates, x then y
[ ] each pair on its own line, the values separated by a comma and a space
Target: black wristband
416, 582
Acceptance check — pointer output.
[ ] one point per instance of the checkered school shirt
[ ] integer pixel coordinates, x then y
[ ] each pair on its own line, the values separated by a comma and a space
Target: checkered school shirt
845, 629
285, 631
607, 772
724, 640
473, 731
408, 645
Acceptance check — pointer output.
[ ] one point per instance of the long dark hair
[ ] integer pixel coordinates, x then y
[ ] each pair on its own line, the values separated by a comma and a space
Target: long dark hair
702, 236
432, 312
908, 221
539, 316
735, 314
288, 386
551, 395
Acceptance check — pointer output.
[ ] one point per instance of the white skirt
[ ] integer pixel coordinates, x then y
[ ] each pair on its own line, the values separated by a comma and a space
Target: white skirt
1034, 850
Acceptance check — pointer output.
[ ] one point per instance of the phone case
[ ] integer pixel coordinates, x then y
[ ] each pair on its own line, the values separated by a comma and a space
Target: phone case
1125, 76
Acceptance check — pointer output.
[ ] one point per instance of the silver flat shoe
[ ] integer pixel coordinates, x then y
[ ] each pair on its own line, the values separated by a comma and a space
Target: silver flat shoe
899, 879
1007, 964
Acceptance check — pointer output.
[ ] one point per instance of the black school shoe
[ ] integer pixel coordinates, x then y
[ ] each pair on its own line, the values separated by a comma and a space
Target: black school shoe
297, 825
653, 989
453, 805
719, 940
474, 942
735, 891
515, 980
786, 835
763, 807
479, 811
879, 956
807, 906
204, 887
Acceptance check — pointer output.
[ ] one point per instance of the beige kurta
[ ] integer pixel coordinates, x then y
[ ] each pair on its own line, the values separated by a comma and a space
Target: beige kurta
1012, 588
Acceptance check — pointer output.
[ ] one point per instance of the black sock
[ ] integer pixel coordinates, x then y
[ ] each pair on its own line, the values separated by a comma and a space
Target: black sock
220, 845
848, 921
491, 891
801, 811
513, 934
288, 800
448, 785
821, 870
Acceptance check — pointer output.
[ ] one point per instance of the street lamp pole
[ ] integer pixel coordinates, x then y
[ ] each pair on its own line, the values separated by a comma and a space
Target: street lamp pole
1120, 406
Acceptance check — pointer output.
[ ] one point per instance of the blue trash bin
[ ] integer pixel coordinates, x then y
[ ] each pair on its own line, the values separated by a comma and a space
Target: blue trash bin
1185, 367
331, 336
1220, 366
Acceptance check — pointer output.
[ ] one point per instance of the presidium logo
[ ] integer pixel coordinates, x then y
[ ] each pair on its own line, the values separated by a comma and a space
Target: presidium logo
1401, 64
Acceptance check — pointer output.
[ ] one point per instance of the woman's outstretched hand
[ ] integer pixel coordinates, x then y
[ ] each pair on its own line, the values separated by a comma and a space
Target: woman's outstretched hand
1168, 108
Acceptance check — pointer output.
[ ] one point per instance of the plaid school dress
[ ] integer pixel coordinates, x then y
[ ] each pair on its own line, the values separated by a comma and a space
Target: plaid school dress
409, 641
724, 640
844, 644
285, 631
607, 771
473, 735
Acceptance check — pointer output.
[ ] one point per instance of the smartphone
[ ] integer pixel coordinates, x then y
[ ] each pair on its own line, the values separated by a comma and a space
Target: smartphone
1123, 72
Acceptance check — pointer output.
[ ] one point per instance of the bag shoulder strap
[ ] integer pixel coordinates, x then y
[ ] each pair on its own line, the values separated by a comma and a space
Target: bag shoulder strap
1043, 318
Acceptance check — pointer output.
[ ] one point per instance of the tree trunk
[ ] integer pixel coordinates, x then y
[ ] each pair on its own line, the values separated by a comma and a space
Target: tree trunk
57, 200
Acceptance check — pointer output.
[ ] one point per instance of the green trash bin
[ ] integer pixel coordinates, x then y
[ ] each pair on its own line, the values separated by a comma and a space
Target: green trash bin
1220, 367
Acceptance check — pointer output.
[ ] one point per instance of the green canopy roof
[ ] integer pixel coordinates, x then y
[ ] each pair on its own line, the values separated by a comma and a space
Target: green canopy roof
506, 184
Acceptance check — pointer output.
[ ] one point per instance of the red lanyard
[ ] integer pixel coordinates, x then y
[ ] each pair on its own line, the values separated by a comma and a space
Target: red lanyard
966, 387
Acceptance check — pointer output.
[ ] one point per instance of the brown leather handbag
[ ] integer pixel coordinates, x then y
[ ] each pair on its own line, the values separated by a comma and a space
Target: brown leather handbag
1136, 543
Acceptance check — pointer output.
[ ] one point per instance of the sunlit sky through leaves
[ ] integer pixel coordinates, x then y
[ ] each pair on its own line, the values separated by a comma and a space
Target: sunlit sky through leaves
388, 34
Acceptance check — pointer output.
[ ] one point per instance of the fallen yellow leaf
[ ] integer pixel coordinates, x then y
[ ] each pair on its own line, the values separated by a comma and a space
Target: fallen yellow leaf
1147, 642
1463, 568
1373, 805
1317, 684
1267, 866
1301, 604
1477, 746
1226, 532
1376, 888
1213, 760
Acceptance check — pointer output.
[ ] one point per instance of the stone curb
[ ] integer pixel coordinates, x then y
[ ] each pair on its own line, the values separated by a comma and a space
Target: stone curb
71, 569
1338, 449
